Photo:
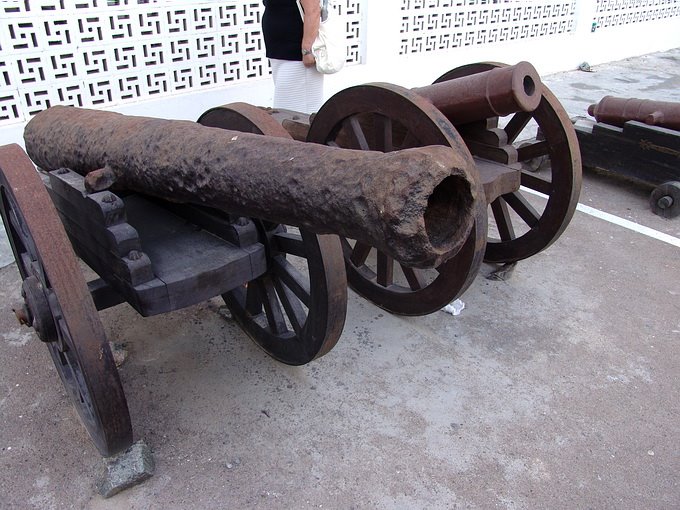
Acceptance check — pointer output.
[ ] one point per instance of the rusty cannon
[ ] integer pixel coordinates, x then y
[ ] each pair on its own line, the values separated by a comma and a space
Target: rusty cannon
638, 139
516, 134
421, 185
171, 213
412, 213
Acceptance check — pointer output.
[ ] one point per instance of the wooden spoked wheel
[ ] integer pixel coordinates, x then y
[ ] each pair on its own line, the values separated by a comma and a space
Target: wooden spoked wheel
296, 310
386, 118
524, 230
58, 304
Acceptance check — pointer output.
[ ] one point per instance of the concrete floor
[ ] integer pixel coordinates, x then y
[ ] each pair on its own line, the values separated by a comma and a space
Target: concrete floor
555, 389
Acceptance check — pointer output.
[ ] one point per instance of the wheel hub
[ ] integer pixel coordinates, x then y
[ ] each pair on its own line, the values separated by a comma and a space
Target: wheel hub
665, 202
37, 309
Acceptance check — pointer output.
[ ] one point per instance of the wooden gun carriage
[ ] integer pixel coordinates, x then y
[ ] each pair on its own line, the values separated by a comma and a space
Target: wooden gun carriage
142, 203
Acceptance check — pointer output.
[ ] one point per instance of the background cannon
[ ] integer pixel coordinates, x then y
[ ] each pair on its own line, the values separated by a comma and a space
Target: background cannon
639, 140
386, 117
616, 111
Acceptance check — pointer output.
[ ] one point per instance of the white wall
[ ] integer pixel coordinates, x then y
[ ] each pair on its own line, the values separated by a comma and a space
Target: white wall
555, 36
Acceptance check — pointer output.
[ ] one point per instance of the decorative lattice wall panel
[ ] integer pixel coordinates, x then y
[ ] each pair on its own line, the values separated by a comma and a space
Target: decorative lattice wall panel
613, 13
439, 25
108, 52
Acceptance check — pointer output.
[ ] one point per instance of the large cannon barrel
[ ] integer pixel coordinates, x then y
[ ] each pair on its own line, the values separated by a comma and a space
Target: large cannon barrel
415, 204
617, 111
497, 92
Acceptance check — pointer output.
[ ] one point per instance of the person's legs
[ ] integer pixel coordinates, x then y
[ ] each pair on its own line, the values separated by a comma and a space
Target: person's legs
296, 87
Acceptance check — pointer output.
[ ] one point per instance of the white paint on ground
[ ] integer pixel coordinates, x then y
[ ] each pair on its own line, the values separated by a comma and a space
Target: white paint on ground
18, 338
621, 222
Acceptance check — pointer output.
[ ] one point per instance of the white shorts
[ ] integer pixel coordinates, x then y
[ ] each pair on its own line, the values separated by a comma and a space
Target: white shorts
296, 87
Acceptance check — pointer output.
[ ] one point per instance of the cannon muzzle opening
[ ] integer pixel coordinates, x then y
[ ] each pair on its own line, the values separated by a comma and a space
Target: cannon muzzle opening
529, 85
498, 91
447, 208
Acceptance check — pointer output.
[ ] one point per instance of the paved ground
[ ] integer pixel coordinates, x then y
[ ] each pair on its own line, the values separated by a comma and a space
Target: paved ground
556, 389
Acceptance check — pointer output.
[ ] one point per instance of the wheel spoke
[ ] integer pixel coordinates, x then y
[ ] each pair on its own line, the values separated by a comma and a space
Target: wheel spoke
523, 208
414, 277
533, 151
29, 264
64, 356
383, 134
272, 308
516, 125
18, 227
385, 269
537, 184
21, 234
73, 372
346, 247
502, 217
291, 304
252, 301
292, 278
290, 242
360, 254
354, 127
410, 140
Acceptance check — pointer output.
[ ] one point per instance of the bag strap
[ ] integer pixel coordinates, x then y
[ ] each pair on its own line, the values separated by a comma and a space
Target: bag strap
324, 9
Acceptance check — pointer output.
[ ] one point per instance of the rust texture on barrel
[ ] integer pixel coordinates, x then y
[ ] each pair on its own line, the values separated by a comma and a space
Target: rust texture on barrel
497, 92
618, 110
415, 204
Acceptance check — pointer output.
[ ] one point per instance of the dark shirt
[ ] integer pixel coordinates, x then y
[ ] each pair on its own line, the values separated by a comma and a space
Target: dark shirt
282, 29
